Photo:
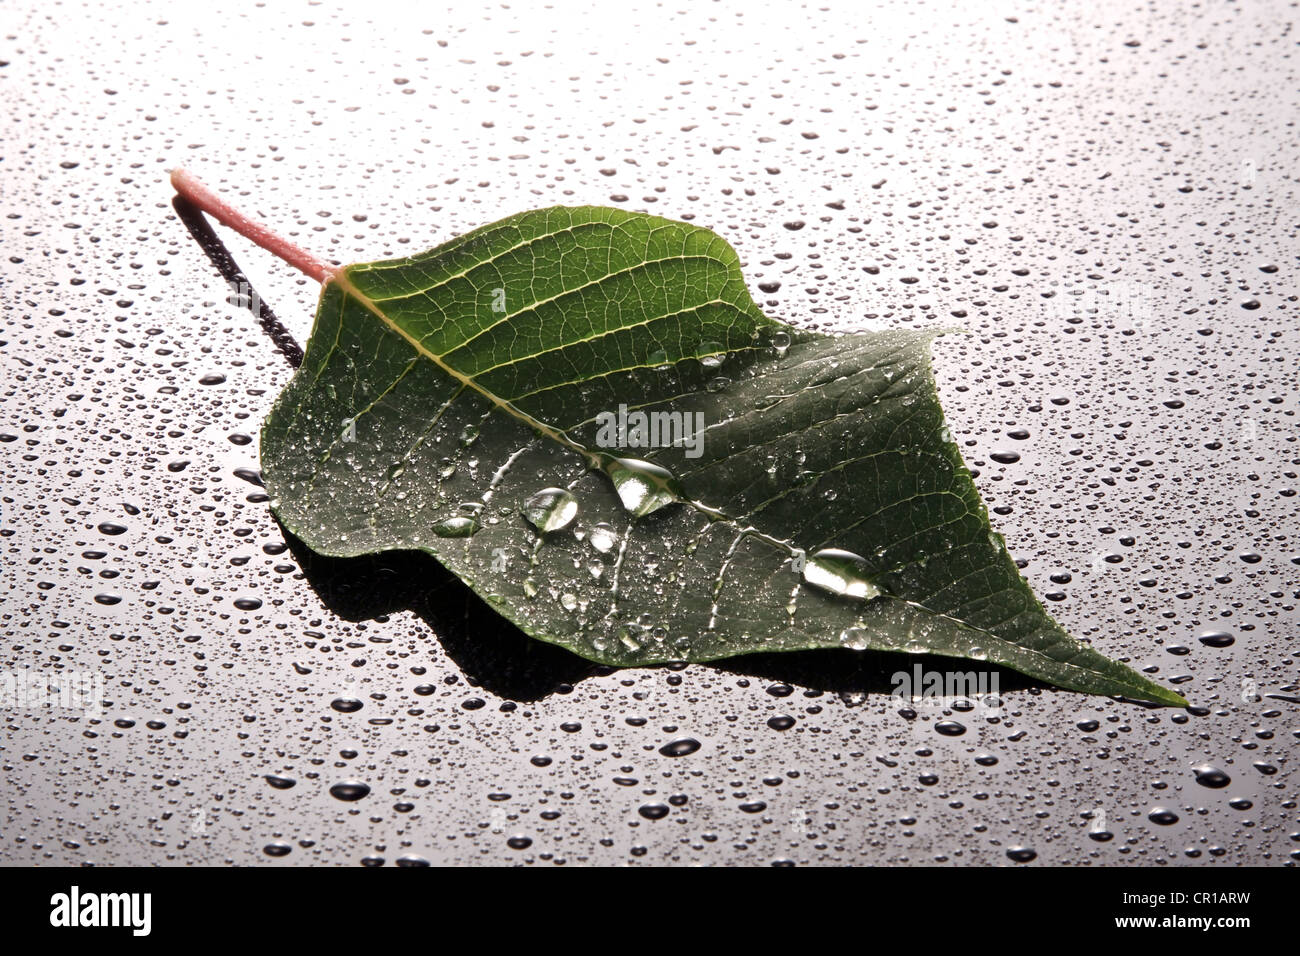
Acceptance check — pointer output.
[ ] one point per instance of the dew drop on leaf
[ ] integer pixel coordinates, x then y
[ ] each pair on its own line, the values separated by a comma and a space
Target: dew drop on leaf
642, 487
550, 509
456, 526
603, 537
840, 572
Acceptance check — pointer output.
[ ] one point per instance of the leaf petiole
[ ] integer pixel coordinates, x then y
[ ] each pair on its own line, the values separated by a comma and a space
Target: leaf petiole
201, 195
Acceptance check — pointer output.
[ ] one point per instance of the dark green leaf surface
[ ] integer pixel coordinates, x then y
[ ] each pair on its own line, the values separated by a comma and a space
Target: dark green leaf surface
453, 401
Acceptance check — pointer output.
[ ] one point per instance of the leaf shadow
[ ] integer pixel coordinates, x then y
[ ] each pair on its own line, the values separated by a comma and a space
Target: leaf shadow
497, 656
844, 671
490, 651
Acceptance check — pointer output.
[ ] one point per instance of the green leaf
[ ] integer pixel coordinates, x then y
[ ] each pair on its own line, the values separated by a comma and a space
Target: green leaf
465, 402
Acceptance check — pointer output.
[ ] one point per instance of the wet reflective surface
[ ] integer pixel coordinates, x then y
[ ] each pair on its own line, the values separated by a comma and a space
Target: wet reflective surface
1104, 200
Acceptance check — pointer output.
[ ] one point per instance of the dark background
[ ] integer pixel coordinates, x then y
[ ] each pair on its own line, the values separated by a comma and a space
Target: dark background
1104, 195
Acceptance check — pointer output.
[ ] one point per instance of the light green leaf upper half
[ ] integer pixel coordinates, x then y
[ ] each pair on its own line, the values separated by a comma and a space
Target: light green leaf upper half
440, 394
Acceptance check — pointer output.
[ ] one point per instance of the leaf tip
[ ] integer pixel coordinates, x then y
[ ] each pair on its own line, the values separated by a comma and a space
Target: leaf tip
1154, 693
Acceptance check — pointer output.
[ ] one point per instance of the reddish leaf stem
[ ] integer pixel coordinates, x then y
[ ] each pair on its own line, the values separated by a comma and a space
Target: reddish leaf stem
216, 207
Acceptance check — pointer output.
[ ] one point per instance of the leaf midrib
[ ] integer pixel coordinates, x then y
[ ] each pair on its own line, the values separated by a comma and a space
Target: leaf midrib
349, 289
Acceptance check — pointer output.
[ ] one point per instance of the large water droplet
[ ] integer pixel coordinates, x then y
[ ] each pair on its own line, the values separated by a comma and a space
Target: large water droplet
840, 572
349, 790
642, 487
603, 537
680, 748
1212, 777
550, 509
457, 526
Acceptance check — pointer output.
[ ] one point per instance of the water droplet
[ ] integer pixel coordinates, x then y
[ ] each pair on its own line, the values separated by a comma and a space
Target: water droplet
550, 509
653, 811
840, 572
349, 790
854, 638
603, 537
456, 526
1216, 638
642, 487
1212, 777
680, 748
